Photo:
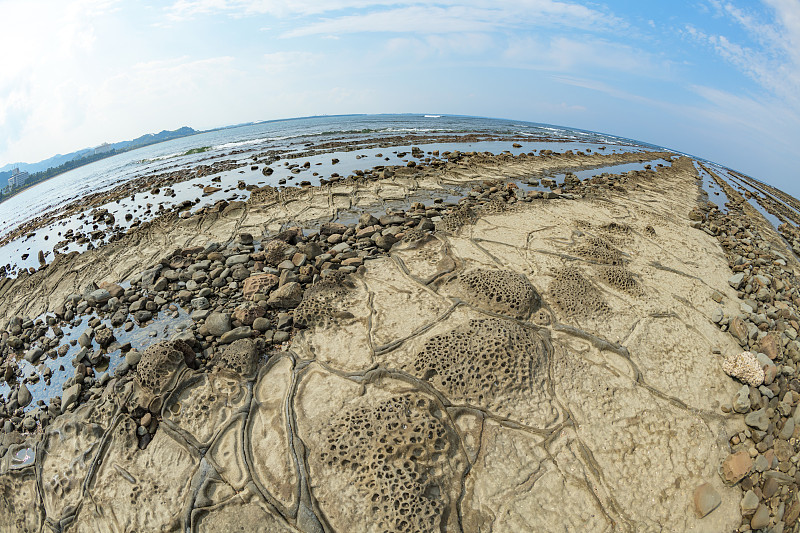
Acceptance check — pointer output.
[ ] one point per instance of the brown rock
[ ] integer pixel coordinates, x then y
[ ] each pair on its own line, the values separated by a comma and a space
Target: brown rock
738, 329
770, 345
258, 284
706, 499
248, 312
210, 190
736, 466
783, 450
113, 289
760, 519
792, 513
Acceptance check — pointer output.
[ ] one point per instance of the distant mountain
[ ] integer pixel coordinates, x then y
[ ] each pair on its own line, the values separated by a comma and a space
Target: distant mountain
58, 160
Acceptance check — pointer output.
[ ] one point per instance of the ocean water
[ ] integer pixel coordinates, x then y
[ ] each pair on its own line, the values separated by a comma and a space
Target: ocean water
358, 134
281, 135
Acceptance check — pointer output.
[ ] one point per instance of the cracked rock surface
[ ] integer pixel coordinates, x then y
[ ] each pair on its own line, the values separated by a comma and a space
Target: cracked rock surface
535, 366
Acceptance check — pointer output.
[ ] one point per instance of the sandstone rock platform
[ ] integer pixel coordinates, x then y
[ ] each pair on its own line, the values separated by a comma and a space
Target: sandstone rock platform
539, 365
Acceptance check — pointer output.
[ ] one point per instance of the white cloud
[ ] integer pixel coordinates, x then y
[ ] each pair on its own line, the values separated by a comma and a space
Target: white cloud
279, 62
565, 54
772, 59
375, 15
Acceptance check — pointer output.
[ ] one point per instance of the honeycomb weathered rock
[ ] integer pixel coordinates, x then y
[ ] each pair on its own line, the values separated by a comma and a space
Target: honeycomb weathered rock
483, 359
159, 364
599, 250
501, 291
395, 449
323, 301
622, 279
575, 295
745, 367
275, 252
240, 356
457, 218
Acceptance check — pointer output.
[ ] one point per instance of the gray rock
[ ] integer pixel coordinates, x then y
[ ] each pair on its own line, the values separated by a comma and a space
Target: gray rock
367, 220
243, 332
84, 340
100, 296
717, 316
132, 358
142, 316
161, 284
761, 464
741, 400
186, 336
218, 324
758, 419
70, 396
385, 242
200, 303
289, 295
280, 336
760, 519
261, 324
149, 276
33, 355
749, 503
201, 314
237, 259
24, 395
706, 499
788, 429
736, 280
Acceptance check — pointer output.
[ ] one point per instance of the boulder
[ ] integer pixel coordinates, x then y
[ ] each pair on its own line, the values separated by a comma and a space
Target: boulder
288, 295
218, 324
259, 284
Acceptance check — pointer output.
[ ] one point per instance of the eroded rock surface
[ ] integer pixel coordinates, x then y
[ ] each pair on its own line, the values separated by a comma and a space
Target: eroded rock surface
539, 365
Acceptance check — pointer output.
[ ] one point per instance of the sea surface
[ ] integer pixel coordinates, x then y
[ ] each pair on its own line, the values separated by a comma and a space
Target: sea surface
284, 137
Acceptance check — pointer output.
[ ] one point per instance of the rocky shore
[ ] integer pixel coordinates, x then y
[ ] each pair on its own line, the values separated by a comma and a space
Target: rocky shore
375, 354
96, 224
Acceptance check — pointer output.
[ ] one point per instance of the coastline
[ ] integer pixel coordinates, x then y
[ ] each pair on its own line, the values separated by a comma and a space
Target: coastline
633, 239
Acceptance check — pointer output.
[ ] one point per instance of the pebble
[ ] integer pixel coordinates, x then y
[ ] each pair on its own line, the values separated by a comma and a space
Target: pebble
24, 396
243, 332
749, 503
758, 419
736, 466
741, 400
218, 324
706, 499
760, 518
70, 396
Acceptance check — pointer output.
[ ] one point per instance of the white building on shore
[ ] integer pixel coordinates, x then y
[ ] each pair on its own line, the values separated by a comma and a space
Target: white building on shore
18, 178
103, 148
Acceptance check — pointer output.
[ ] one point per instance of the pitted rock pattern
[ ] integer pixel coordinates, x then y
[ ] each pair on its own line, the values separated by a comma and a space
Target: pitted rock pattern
493, 206
275, 252
240, 357
621, 278
396, 450
324, 301
575, 295
483, 360
159, 363
598, 250
459, 217
414, 235
502, 291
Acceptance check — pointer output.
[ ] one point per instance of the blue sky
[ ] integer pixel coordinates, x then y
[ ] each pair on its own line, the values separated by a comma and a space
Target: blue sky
716, 78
